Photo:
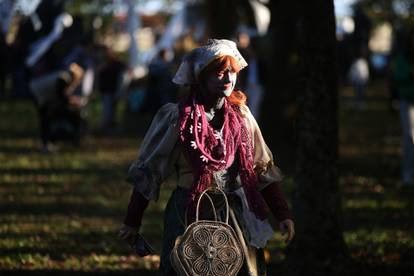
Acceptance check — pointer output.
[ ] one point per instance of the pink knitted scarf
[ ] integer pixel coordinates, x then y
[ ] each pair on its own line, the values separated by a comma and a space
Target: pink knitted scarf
208, 151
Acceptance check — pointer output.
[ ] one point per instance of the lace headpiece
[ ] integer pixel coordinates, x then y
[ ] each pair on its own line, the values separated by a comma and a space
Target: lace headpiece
195, 61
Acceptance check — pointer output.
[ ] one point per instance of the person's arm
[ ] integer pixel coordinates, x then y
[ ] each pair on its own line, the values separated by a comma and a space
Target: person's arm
269, 177
155, 162
136, 207
274, 198
133, 218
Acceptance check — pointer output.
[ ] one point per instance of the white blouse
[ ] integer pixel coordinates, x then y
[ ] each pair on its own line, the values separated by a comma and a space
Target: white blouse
161, 154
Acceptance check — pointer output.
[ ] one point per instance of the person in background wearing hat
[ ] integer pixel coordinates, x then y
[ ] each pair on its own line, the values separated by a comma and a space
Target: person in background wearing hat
209, 139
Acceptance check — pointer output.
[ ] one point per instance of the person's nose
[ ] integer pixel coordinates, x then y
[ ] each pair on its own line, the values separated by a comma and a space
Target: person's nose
227, 77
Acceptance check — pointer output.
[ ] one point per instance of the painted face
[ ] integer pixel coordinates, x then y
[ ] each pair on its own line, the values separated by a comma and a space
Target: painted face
221, 83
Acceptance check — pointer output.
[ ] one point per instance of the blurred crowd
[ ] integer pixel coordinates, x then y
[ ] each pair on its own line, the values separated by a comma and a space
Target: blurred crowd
57, 63
359, 65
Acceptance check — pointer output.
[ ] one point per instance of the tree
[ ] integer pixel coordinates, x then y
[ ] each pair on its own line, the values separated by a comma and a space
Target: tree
303, 73
223, 17
279, 104
319, 247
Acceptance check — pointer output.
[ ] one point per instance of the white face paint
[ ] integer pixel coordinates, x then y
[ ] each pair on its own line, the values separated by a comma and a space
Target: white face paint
221, 84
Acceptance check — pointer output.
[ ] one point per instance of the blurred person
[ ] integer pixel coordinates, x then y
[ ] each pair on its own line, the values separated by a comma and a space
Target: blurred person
362, 28
82, 55
136, 94
20, 74
249, 80
359, 77
6, 14
210, 139
57, 106
403, 67
29, 37
160, 88
57, 69
80, 51
4, 65
109, 85
396, 44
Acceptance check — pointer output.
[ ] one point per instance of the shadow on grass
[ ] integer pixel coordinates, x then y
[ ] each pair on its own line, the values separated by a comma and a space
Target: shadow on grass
274, 269
7, 133
90, 171
385, 270
385, 166
140, 272
79, 209
19, 150
93, 209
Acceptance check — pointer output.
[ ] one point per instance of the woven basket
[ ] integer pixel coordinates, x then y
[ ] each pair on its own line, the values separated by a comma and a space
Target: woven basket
208, 247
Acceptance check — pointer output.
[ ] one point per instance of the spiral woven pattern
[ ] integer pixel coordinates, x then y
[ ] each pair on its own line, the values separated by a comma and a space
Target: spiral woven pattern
218, 267
208, 248
228, 255
192, 252
201, 267
202, 236
220, 238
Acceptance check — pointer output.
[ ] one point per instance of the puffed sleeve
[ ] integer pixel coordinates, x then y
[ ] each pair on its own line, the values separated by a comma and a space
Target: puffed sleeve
264, 164
158, 153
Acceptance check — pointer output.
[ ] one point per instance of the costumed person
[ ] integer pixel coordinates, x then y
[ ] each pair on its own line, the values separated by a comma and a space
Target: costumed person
210, 139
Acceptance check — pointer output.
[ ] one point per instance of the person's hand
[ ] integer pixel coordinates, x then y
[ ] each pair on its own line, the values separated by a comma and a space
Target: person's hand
135, 241
77, 73
75, 101
128, 234
287, 227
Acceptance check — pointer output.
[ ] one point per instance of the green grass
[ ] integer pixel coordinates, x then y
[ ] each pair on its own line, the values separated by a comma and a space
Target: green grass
378, 218
61, 212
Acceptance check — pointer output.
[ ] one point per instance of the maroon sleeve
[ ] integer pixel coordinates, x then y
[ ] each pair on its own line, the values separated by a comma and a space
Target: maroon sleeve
136, 207
274, 198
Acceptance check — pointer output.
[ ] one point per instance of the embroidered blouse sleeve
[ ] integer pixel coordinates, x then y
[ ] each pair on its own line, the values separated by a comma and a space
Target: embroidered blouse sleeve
264, 165
158, 153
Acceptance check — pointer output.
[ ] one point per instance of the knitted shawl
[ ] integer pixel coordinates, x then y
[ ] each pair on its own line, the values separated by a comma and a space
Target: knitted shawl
210, 150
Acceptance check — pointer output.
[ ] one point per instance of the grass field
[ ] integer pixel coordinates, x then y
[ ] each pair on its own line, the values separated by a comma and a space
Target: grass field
60, 212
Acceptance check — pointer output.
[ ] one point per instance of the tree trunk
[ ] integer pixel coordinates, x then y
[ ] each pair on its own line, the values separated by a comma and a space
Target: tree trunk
319, 247
278, 115
223, 17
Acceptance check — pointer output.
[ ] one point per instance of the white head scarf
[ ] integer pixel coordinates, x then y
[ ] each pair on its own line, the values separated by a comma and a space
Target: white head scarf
195, 61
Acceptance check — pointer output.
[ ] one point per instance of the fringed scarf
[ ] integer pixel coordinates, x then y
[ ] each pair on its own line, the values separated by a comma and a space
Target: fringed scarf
209, 151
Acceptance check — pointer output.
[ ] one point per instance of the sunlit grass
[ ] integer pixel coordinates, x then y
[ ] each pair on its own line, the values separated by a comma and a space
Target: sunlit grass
89, 262
379, 245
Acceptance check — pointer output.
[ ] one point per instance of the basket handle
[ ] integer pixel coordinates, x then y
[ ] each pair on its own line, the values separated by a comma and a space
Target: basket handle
204, 193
